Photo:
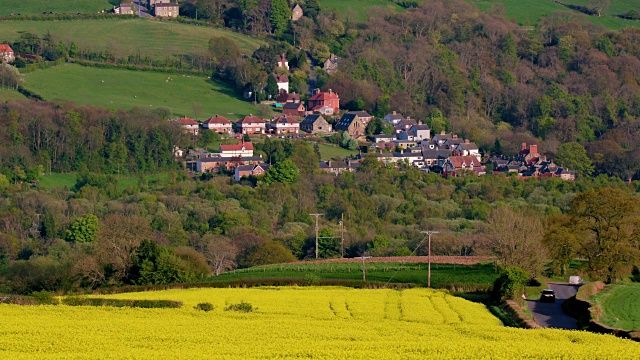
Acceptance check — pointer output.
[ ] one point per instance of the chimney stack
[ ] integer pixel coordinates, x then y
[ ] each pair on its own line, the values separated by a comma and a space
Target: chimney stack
533, 149
394, 112
524, 146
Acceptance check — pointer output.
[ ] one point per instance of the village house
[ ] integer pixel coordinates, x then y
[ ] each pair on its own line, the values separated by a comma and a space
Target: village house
166, 10
442, 138
394, 118
250, 125
281, 62
216, 163
296, 12
190, 126
218, 124
467, 148
383, 138
294, 109
241, 149
338, 167
364, 116
352, 124
315, 124
321, 99
249, 170
125, 8
530, 155
6, 53
324, 110
435, 157
457, 163
331, 64
404, 144
284, 125
283, 82
420, 132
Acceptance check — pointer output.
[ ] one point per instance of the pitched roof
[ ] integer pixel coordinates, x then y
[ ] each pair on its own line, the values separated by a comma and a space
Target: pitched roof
394, 116
436, 153
237, 147
346, 120
360, 113
217, 120
292, 105
468, 146
324, 96
458, 161
187, 121
285, 97
310, 119
4, 48
285, 120
281, 78
420, 127
281, 58
166, 5
250, 119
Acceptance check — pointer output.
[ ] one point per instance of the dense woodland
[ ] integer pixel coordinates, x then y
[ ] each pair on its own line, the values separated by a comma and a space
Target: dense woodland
445, 62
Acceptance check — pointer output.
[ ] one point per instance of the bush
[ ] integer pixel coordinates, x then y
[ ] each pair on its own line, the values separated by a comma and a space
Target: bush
244, 307
45, 298
145, 304
511, 281
204, 307
635, 274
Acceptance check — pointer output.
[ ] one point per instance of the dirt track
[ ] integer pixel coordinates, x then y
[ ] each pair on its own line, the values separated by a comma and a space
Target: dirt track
457, 260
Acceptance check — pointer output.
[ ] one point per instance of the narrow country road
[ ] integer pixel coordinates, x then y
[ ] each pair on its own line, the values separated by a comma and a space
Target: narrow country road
551, 314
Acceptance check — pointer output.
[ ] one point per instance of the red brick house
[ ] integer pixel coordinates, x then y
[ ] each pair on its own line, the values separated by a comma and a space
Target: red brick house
250, 125
6, 53
321, 99
218, 124
249, 170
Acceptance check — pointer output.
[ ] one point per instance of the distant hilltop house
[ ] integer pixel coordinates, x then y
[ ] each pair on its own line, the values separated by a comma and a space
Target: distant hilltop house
190, 126
281, 62
283, 82
296, 12
125, 8
6, 53
331, 64
166, 9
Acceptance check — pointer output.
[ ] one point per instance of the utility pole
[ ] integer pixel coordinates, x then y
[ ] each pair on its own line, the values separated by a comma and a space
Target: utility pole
364, 268
342, 236
317, 216
429, 233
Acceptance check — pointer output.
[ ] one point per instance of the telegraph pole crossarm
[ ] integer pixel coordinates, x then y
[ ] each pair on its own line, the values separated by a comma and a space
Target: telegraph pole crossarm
429, 233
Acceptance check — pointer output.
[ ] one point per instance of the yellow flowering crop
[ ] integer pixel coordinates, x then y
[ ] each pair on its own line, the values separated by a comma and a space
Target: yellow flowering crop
292, 322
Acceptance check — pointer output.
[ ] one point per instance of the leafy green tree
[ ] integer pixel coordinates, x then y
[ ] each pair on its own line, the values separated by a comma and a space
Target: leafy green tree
562, 243
270, 252
83, 229
574, 157
606, 224
284, 172
328, 243
272, 86
280, 14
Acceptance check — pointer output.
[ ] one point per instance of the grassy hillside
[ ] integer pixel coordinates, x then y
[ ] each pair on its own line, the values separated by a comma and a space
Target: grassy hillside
529, 12
25, 7
620, 304
124, 89
290, 323
128, 36
356, 9
10, 95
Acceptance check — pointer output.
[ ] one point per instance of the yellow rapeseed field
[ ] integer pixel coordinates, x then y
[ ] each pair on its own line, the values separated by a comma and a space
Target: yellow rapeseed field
292, 322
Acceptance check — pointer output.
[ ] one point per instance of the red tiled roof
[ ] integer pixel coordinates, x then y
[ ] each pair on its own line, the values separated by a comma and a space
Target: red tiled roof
4, 48
218, 120
324, 96
282, 78
251, 119
187, 121
237, 147
457, 161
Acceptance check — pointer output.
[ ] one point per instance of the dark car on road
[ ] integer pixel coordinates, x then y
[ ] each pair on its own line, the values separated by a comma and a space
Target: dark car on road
548, 296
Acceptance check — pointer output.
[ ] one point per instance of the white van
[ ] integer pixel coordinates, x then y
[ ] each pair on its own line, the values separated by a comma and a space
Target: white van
575, 280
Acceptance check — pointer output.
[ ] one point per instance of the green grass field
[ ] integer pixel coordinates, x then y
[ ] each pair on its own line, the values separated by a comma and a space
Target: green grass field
58, 180
329, 152
25, 7
357, 9
620, 304
6, 95
125, 89
123, 37
529, 12
442, 275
